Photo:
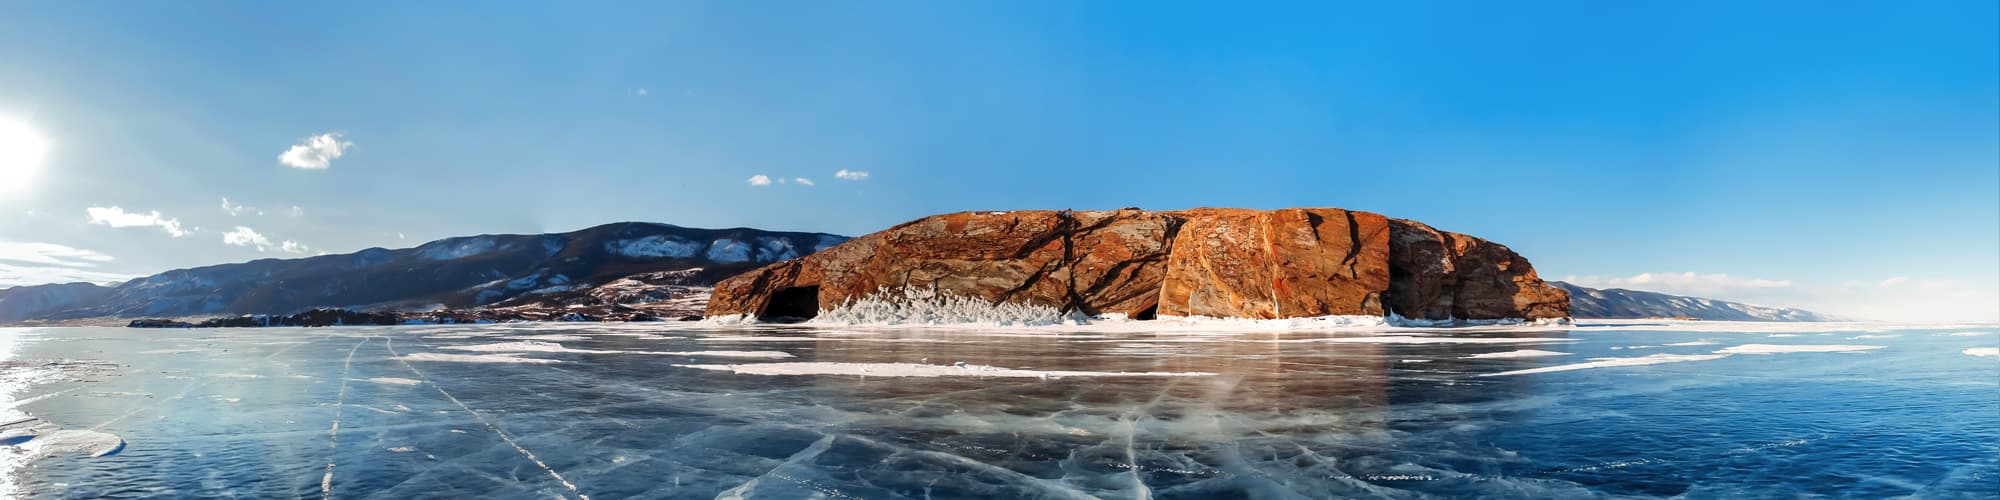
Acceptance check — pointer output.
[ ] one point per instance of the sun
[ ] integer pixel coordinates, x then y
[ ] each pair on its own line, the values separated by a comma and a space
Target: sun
21, 152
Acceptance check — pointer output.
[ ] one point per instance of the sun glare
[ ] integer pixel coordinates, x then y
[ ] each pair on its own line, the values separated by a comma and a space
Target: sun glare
21, 152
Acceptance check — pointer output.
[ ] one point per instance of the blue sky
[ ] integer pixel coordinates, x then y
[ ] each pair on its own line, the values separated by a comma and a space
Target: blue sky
1843, 156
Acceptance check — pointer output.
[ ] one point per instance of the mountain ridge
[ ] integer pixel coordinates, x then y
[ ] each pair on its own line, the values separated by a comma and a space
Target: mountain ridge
1621, 303
456, 272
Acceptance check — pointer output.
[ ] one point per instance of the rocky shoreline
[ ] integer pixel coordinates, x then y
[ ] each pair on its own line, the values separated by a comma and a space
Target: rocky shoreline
1214, 262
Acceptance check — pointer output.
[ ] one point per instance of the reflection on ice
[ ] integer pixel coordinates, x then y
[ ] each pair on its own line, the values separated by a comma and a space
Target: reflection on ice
1611, 362
1524, 353
1777, 348
1101, 410
920, 370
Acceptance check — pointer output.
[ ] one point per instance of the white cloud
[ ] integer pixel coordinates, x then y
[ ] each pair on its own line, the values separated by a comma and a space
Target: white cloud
290, 246
316, 152
641, 92
851, 175
246, 237
13, 275
232, 209
43, 263
1687, 283
298, 211
50, 253
802, 180
1898, 280
118, 217
760, 180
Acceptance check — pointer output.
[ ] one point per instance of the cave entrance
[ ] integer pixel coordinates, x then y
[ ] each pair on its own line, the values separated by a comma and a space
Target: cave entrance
792, 304
1149, 314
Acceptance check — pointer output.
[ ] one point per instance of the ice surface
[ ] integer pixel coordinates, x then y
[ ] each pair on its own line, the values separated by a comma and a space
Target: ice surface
533, 346
1095, 408
1983, 351
1784, 348
475, 358
1524, 353
920, 370
1611, 362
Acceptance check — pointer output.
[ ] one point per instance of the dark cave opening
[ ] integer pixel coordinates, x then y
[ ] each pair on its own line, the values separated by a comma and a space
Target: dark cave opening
1148, 314
793, 304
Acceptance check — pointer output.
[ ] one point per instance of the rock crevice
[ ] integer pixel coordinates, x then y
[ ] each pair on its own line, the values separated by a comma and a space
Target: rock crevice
1219, 262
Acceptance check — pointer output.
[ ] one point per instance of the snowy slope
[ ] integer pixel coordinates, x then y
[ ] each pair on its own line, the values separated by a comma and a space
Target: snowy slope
1619, 303
454, 272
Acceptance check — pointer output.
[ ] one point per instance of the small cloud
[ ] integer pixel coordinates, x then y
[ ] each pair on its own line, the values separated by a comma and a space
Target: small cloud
401, 237
246, 237
802, 180
290, 246
316, 152
233, 209
851, 175
298, 211
1892, 282
641, 92
760, 180
31, 263
118, 217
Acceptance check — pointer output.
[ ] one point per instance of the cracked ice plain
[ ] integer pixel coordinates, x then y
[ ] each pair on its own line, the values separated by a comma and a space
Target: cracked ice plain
1277, 413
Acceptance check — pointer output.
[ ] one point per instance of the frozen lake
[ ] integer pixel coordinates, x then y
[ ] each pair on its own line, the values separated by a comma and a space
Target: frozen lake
688, 410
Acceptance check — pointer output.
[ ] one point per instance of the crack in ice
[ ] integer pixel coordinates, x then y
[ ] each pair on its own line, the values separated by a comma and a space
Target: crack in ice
333, 432
391, 346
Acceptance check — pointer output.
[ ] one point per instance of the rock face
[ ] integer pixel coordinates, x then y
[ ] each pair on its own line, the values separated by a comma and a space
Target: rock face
1239, 263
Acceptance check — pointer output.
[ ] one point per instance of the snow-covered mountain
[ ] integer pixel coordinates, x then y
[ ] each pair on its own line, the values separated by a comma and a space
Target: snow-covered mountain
454, 272
1619, 303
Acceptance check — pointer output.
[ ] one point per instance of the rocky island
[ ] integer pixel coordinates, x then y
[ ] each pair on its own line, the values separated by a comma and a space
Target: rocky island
1217, 262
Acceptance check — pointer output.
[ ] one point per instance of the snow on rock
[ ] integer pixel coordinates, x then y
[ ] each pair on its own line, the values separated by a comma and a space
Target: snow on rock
770, 249
828, 241
457, 248
552, 245
653, 247
728, 250
960, 369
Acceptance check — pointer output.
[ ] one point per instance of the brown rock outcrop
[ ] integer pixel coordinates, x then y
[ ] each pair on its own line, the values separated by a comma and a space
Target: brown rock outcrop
1286, 263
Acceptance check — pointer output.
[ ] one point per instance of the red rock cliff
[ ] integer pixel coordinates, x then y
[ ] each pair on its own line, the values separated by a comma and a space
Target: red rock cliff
1220, 262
